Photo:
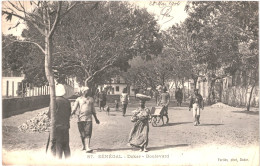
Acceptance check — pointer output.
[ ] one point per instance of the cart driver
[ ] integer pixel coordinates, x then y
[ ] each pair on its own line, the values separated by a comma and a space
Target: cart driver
164, 101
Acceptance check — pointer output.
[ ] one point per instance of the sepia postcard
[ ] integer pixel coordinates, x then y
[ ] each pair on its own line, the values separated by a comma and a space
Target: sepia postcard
130, 83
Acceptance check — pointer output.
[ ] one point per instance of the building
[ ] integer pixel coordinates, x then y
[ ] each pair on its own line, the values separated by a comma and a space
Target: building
10, 84
116, 87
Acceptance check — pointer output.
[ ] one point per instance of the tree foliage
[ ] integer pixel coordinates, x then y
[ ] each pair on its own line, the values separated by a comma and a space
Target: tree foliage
23, 58
105, 37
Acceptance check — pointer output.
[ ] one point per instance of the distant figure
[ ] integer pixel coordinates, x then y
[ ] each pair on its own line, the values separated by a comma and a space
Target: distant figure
97, 96
139, 134
124, 100
179, 96
164, 101
85, 103
102, 97
156, 96
116, 105
60, 144
196, 103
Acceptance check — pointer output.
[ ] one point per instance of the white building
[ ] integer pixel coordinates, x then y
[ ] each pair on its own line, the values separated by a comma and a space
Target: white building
116, 87
10, 83
10, 86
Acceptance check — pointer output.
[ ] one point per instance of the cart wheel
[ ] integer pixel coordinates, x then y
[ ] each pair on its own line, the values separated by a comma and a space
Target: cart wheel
157, 121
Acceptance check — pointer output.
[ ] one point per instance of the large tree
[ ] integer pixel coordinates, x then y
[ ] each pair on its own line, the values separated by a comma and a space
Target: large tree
106, 37
150, 73
179, 47
23, 58
217, 29
44, 16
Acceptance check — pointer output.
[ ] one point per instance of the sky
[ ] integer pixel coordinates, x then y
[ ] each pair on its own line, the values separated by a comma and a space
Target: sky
166, 13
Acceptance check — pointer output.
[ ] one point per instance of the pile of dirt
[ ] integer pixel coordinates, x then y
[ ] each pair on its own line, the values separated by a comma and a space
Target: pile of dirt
40, 123
221, 105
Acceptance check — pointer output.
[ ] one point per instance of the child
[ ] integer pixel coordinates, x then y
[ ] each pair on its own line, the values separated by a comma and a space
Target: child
116, 105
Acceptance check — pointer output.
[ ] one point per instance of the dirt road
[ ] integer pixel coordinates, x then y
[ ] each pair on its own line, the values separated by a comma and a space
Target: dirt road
225, 133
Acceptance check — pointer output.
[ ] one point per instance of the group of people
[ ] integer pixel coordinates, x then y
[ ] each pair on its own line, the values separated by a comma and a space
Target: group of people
85, 104
139, 133
63, 112
102, 98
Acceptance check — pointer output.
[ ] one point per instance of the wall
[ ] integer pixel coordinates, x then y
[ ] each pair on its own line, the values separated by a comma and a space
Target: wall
231, 95
239, 96
14, 106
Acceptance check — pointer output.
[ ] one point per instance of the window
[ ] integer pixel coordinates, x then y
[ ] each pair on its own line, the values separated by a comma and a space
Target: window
117, 88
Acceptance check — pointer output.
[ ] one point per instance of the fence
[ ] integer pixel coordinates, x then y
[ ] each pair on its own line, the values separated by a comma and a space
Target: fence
239, 96
13, 87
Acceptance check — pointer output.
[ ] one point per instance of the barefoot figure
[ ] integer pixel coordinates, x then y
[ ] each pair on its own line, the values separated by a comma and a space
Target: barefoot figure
85, 103
139, 134
196, 103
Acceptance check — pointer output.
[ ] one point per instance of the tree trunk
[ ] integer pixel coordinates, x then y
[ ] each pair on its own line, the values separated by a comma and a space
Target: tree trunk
163, 81
195, 79
91, 85
183, 90
221, 90
210, 89
250, 97
50, 77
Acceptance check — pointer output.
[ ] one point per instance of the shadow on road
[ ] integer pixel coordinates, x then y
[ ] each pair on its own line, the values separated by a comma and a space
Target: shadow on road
211, 124
128, 115
149, 148
173, 124
248, 112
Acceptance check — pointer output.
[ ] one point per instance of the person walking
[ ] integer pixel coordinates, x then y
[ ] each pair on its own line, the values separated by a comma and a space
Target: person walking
179, 96
60, 144
85, 103
139, 134
156, 95
164, 101
97, 97
102, 97
196, 103
124, 100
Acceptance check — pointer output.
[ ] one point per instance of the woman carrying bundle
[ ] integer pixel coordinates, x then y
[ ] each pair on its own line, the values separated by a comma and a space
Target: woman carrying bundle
139, 134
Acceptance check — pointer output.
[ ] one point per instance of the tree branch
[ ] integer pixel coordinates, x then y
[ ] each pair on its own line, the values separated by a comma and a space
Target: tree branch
20, 10
69, 9
28, 20
57, 19
98, 71
40, 47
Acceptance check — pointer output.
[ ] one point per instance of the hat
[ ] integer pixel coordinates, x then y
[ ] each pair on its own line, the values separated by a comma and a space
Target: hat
143, 97
60, 90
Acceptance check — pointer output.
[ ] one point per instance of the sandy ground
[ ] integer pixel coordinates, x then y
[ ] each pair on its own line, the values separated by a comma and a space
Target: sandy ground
226, 136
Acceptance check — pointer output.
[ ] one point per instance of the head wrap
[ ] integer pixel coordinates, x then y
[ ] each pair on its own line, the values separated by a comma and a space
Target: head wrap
60, 90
